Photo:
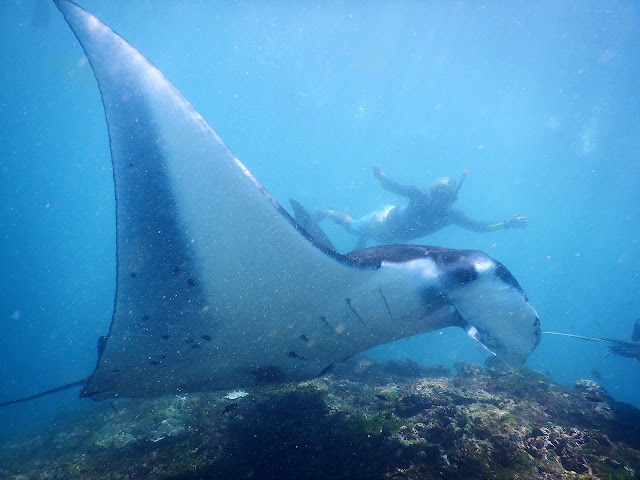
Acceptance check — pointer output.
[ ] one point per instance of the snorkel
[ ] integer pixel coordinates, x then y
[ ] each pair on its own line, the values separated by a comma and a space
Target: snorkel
464, 175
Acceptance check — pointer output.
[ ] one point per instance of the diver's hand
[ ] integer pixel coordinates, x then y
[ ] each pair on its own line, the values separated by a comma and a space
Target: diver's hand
377, 172
516, 221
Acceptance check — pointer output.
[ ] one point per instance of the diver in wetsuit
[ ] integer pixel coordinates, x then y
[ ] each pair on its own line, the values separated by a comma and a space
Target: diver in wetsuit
427, 212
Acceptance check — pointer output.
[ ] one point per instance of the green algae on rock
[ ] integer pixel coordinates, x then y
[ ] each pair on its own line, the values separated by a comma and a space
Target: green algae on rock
395, 420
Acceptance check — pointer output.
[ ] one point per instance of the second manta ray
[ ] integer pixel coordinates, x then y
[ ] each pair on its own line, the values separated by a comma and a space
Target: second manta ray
218, 286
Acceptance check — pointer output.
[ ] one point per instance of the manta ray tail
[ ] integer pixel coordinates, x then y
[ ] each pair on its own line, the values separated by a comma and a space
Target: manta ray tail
47, 392
624, 348
581, 337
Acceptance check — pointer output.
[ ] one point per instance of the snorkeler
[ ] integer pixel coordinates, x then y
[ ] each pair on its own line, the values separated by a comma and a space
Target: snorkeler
427, 212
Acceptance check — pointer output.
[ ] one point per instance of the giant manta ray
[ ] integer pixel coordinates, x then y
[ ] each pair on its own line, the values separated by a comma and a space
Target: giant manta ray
217, 286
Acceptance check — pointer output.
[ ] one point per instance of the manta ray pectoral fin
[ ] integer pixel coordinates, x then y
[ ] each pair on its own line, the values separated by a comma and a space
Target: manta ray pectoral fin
215, 282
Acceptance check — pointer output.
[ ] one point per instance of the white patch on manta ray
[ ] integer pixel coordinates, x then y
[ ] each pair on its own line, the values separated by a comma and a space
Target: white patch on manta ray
421, 268
483, 266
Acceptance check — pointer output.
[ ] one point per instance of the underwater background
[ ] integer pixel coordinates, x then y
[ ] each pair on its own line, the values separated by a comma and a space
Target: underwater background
539, 101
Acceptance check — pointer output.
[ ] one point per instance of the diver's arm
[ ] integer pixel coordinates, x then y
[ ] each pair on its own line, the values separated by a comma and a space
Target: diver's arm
462, 220
392, 186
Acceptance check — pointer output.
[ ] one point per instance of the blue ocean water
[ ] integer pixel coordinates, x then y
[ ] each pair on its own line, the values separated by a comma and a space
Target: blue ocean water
539, 102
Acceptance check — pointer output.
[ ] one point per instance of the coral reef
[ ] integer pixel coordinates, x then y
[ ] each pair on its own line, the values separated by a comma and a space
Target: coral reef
365, 420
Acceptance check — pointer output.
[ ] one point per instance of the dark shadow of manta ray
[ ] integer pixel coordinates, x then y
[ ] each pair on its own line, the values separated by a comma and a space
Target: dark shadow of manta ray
218, 286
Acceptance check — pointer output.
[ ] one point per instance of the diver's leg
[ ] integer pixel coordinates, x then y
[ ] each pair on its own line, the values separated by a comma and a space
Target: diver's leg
341, 219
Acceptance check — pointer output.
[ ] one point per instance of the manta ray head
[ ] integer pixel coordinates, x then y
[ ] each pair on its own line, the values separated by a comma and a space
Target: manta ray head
464, 288
495, 310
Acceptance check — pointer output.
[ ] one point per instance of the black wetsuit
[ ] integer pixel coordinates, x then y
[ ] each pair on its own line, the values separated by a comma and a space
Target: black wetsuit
418, 218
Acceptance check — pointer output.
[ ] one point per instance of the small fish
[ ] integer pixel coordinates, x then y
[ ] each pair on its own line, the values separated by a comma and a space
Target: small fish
236, 394
228, 408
